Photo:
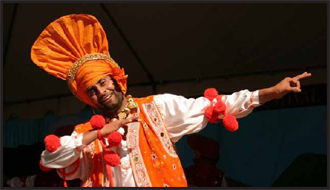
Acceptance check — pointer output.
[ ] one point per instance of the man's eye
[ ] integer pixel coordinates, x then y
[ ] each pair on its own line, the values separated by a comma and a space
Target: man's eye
102, 83
92, 92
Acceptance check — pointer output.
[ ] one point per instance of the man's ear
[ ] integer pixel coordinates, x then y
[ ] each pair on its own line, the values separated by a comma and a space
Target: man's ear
117, 88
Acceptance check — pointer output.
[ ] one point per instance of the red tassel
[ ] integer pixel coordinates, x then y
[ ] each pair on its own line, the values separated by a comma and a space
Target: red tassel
112, 184
211, 114
114, 139
112, 158
211, 93
230, 123
63, 173
97, 122
52, 143
43, 168
220, 108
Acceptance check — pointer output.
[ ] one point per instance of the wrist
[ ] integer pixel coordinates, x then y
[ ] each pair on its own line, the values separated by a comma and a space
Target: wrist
275, 92
102, 132
105, 131
267, 94
99, 134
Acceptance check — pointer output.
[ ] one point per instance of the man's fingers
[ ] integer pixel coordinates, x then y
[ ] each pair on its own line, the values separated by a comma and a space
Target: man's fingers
298, 84
301, 76
296, 89
294, 83
130, 118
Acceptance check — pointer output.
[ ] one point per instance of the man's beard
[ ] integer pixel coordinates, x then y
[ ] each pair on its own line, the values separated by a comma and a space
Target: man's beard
116, 104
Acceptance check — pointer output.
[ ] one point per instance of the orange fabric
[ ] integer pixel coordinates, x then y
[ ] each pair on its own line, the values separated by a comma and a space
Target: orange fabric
165, 170
68, 39
92, 71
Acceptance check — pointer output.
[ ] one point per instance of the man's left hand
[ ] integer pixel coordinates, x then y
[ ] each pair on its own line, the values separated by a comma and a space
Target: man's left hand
288, 85
282, 88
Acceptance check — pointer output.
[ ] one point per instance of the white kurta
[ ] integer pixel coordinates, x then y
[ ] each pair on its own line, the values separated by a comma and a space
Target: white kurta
182, 116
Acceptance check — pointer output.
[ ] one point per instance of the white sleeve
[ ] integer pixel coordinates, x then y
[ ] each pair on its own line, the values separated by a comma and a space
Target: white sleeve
240, 104
69, 151
184, 116
181, 115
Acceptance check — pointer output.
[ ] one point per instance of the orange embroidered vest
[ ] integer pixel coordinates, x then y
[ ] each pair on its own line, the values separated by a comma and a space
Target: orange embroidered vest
153, 158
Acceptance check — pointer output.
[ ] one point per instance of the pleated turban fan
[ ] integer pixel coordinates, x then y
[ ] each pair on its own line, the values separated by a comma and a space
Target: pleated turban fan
75, 48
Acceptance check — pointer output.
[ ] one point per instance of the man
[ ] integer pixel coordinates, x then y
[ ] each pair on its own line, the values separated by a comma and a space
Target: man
204, 173
75, 48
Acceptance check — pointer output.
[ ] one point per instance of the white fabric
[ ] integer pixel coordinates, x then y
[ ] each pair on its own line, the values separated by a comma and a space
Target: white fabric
186, 116
126, 178
66, 154
181, 116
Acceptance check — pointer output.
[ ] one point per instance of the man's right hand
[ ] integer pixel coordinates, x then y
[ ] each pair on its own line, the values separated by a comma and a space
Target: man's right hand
90, 136
115, 125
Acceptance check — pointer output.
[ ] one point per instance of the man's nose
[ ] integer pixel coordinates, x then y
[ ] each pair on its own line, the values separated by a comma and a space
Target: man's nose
100, 91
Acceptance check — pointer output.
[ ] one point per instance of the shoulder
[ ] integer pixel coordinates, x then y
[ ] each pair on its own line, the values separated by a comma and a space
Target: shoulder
166, 96
157, 98
84, 127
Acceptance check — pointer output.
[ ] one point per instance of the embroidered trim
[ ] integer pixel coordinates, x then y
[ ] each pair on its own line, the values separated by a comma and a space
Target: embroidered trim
158, 126
138, 167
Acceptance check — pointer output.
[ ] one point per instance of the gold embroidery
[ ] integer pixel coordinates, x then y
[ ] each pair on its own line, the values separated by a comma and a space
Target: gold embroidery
138, 166
157, 125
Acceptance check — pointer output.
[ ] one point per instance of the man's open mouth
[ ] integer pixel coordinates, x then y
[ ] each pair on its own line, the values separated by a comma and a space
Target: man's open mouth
106, 98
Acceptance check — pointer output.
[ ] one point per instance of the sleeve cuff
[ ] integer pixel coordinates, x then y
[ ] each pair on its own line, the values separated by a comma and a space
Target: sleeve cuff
78, 142
254, 99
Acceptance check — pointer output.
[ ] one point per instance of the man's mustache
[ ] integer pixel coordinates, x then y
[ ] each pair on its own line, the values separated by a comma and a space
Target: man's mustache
108, 93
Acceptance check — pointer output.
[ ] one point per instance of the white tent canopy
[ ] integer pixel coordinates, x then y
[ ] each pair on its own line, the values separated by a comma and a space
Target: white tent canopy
175, 48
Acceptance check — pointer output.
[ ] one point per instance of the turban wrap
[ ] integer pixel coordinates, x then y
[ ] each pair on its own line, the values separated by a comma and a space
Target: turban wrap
75, 48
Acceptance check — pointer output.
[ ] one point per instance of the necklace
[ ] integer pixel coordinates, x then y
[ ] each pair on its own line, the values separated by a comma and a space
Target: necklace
130, 107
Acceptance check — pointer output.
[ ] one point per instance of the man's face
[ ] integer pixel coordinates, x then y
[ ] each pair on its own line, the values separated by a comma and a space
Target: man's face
106, 95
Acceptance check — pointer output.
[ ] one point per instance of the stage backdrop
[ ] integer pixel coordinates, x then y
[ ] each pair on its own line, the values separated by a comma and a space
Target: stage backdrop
264, 146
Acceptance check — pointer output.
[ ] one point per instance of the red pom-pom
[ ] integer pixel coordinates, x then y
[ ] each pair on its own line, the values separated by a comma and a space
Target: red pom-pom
43, 168
211, 93
52, 143
97, 121
114, 139
219, 108
230, 123
112, 159
211, 114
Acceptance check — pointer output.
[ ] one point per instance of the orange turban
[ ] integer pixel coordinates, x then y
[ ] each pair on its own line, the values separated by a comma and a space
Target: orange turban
75, 48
